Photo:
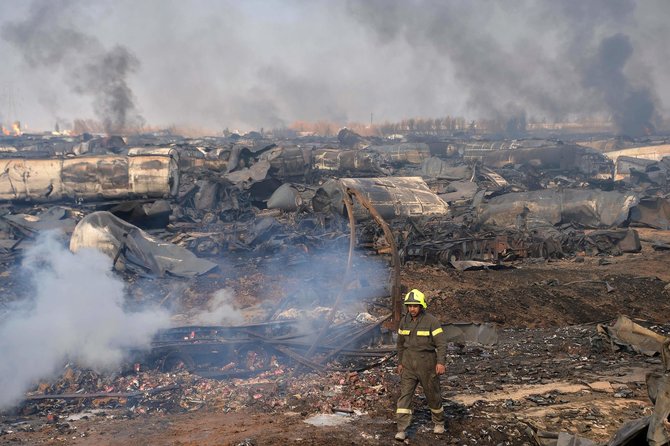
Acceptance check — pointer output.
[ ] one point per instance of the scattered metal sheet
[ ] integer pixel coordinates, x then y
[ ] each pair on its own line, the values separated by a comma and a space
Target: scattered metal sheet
55, 217
133, 249
207, 196
440, 242
627, 333
246, 176
653, 212
655, 152
624, 164
472, 333
471, 265
545, 438
631, 433
460, 191
658, 387
494, 178
438, 168
626, 240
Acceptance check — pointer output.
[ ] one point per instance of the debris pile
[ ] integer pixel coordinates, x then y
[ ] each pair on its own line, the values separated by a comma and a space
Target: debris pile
289, 226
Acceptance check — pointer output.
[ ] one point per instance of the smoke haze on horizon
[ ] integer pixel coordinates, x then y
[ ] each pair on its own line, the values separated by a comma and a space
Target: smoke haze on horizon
264, 64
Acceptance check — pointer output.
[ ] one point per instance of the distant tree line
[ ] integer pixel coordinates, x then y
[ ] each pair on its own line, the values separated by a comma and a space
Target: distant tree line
437, 126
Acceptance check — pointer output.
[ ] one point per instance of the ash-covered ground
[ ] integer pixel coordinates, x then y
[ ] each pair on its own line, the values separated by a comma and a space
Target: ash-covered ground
550, 371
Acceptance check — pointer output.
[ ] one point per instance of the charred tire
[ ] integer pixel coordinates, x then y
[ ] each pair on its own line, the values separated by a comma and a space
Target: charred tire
176, 361
456, 254
253, 358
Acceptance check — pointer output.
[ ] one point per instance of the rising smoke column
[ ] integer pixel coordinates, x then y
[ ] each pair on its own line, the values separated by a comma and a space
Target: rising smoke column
76, 314
515, 59
633, 108
47, 38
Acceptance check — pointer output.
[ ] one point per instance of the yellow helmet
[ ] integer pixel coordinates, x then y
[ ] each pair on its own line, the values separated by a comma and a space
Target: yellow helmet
415, 297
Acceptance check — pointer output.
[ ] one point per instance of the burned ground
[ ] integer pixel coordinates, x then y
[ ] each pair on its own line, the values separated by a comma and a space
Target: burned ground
542, 260
550, 371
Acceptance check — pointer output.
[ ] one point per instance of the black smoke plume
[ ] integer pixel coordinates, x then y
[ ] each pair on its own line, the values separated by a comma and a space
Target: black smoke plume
633, 108
48, 38
558, 60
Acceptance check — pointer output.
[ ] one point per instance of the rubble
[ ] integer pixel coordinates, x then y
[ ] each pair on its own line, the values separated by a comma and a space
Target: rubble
461, 219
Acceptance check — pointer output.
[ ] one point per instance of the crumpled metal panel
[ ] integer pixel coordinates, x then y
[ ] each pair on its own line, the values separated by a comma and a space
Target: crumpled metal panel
624, 164
631, 433
658, 388
438, 168
134, 249
335, 159
590, 208
653, 212
627, 333
413, 153
560, 157
392, 197
249, 175
288, 162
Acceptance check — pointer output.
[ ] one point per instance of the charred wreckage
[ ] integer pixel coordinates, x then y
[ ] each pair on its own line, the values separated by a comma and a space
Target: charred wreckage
162, 206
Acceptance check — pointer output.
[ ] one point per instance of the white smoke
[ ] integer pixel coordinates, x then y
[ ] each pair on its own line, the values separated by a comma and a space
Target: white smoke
76, 314
220, 310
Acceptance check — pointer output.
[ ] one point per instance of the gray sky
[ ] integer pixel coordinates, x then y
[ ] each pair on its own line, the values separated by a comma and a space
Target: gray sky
251, 64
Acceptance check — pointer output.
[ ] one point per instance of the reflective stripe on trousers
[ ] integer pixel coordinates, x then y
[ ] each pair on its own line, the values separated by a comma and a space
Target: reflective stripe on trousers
419, 367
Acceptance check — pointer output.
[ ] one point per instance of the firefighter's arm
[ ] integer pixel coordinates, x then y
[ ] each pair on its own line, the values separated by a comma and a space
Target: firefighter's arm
401, 347
440, 339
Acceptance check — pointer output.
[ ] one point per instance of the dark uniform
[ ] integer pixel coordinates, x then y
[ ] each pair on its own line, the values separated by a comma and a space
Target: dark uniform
421, 345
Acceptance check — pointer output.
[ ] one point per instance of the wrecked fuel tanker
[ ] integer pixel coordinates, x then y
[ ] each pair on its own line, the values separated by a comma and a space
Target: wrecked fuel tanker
141, 173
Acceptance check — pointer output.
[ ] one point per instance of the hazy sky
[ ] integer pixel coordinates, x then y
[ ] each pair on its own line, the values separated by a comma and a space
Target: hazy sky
251, 64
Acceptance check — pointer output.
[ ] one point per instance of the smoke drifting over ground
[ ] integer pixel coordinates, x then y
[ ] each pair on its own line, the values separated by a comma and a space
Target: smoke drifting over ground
311, 288
247, 65
220, 310
76, 315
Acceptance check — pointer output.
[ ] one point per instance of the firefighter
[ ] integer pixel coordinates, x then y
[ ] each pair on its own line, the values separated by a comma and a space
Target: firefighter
422, 350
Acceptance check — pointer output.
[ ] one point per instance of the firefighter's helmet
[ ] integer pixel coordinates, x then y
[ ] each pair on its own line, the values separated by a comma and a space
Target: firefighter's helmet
415, 297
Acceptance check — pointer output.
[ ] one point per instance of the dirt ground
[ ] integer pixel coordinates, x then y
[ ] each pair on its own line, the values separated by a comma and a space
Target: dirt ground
550, 371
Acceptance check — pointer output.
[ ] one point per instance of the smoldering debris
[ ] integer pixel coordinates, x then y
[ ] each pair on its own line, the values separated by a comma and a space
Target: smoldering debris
75, 314
220, 311
258, 215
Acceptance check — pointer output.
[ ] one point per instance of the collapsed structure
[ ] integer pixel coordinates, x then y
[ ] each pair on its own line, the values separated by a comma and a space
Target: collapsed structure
174, 207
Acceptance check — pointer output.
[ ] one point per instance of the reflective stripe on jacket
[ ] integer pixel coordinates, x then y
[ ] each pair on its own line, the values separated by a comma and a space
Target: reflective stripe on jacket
425, 334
